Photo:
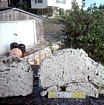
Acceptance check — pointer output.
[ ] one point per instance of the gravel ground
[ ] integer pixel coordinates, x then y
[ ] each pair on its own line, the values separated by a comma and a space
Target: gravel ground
52, 30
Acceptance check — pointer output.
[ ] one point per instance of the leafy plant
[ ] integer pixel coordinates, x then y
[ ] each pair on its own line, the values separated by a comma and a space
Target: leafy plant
84, 29
50, 45
25, 5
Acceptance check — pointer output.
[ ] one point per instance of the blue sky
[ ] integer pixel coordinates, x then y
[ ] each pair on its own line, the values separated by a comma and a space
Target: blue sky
89, 2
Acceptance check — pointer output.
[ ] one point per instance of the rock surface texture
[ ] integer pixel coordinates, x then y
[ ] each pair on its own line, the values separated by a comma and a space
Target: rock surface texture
71, 70
16, 77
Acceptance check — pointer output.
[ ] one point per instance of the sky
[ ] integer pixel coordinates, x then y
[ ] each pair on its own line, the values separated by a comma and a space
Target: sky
89, 2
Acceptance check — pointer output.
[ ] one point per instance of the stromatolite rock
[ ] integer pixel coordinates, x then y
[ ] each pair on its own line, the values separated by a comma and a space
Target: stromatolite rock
71, 70
16, 77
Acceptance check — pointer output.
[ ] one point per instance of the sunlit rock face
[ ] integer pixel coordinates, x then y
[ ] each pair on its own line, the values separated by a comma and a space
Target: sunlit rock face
71, 70
16, 77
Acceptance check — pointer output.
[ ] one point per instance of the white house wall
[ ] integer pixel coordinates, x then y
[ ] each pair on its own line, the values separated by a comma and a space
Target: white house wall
25, 31
53, 3
60, 5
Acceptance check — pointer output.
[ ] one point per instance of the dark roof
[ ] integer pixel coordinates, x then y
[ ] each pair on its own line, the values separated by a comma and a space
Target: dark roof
6, 9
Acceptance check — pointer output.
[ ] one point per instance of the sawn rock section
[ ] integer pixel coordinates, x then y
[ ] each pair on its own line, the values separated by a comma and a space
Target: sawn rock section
71, 70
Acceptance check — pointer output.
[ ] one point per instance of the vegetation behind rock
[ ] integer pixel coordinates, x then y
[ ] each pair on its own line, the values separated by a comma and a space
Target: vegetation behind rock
84, 29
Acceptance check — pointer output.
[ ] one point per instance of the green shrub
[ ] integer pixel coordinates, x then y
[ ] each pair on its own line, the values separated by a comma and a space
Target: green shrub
84, 29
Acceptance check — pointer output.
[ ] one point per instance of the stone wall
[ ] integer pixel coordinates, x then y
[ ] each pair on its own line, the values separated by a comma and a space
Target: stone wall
37, 57
71, 70
16, 77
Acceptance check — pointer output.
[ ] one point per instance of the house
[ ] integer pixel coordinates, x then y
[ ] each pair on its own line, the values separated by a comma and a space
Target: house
26, 26
49, 6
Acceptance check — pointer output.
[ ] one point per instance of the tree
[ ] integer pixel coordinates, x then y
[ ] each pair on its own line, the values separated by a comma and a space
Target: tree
84, 29
101, 6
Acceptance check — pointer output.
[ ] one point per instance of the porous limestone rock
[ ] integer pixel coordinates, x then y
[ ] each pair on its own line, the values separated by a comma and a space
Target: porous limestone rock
71, 70
16, 77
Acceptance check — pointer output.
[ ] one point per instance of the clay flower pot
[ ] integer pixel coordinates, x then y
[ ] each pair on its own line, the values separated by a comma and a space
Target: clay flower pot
16, 51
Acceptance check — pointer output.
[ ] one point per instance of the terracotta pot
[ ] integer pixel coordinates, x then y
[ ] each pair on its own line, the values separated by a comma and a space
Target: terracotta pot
16, 51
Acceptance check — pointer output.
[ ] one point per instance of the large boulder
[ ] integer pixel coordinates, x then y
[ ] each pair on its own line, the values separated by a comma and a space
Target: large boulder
71, 70
16, 77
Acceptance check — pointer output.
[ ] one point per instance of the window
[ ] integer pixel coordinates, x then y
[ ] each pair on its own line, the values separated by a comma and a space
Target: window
35, 1
40, 1
61, 1
74, 0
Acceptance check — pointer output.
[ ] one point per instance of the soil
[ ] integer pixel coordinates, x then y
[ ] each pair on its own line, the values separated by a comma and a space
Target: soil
51, 29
